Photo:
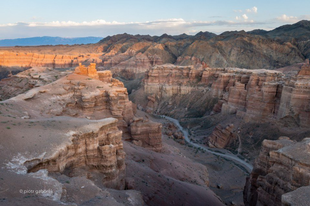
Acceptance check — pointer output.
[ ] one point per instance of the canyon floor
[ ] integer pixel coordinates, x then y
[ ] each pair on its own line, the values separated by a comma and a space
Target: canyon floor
228, 187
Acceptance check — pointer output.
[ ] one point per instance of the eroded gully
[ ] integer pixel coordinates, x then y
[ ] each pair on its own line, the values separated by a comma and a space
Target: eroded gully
229, 156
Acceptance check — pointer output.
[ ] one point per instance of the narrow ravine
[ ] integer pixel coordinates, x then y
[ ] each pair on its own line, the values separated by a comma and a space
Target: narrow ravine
228, 155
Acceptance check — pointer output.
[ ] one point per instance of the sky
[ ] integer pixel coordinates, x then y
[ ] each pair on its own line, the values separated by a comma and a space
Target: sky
81, 18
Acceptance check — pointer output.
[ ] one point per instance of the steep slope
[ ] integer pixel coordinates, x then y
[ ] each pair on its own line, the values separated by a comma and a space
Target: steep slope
281, 167
239, 49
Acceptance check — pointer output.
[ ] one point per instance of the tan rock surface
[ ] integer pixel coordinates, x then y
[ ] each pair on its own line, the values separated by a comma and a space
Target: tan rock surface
282, 167
254, 95
221, 136
85, 96
84, 157
146, 134
29, 59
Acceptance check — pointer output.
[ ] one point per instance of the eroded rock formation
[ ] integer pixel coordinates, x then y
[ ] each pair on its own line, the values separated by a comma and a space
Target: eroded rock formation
221, 136
146, 133
92, 95
97, 149
281, 167
36, 59
254, 95
295, 97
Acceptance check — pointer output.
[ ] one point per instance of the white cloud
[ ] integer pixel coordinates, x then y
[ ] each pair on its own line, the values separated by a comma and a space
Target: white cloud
253, 9
237, 17
245, 17
289, 19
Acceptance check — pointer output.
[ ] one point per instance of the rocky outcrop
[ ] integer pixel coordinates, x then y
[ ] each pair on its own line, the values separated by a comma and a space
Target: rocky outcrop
105, 76
90, 71
281, 167
92, 95
295, 97
28, 79
221, 136
297, 197
93, 149
62, 160
146, 134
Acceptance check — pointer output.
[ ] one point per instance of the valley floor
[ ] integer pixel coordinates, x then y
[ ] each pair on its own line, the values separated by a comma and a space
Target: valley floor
226, 179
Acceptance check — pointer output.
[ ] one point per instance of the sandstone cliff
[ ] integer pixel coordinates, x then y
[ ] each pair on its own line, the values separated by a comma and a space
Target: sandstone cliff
61, 160
254, 95
146, 134
93, 148
23, 59
87, 94
281, 167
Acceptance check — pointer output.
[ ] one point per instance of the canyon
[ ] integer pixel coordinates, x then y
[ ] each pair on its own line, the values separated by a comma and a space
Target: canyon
158, 120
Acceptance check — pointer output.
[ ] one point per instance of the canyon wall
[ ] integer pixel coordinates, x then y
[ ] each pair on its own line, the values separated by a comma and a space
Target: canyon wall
92, 149
281, 167
90, 94
295, 98
29, 59
146, 133
253, 95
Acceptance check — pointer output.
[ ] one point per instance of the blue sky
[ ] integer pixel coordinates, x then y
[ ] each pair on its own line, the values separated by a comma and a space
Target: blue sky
68, 18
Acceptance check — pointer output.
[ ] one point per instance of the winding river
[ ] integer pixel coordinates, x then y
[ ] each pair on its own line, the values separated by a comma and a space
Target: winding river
228, 156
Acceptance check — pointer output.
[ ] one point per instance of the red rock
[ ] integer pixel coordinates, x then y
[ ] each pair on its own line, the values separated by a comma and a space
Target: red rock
221, 136
90, 71
146, 134
281, 167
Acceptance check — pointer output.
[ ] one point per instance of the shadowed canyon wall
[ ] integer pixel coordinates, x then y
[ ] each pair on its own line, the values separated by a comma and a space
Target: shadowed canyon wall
281, 167
254, 95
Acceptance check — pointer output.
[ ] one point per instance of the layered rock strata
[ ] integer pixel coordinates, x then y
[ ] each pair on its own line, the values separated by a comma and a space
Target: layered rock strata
221, 136
92, 95
61, 160
281, 167
37, 59
295, 98
146, 134
95, 149
254, 95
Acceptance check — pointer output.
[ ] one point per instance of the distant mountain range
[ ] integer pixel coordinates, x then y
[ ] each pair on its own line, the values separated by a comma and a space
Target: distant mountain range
280, 47
47, 40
